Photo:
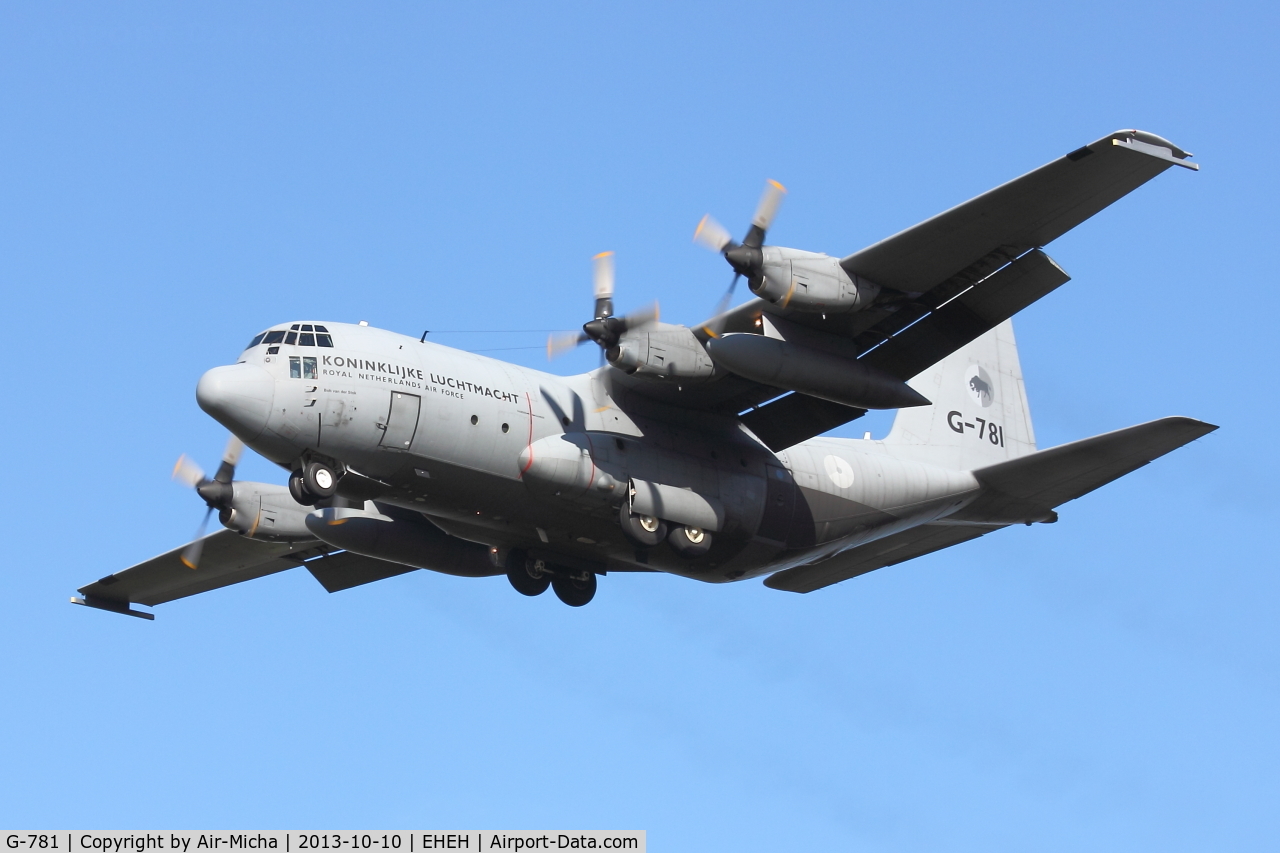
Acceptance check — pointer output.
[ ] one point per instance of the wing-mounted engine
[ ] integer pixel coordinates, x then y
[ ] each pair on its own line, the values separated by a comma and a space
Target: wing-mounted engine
256, 510
671, 352
810, 281
791, 279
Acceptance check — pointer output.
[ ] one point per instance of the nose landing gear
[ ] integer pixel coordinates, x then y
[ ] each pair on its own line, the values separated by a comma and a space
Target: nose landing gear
314, 482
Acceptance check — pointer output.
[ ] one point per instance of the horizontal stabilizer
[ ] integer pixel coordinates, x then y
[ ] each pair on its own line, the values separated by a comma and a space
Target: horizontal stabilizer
889, 551
1049, 478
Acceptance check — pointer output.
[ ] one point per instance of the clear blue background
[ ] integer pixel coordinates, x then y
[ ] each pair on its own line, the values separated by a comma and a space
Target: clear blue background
176, 177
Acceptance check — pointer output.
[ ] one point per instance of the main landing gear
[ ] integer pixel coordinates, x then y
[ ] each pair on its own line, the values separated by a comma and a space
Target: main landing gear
648, 531
312, 483
532, 577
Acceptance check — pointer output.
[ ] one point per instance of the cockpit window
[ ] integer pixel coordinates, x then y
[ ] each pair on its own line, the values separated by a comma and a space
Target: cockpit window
303, 368
306, 339
306, 327
294, 327
291, 338
324, 340
321, 329
273, 338
256, 341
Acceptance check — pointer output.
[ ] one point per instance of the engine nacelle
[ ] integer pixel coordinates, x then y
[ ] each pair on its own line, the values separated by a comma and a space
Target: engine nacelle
265, 511
672, 353
565, 466
811, 281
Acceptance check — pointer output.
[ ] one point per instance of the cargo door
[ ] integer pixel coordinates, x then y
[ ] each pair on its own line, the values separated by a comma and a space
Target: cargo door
401, 423
779, 504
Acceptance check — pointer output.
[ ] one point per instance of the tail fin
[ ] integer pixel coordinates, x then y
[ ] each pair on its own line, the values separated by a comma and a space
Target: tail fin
979, 414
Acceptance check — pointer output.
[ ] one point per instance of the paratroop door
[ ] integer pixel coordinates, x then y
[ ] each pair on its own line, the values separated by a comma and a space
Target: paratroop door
779, 504
402, 421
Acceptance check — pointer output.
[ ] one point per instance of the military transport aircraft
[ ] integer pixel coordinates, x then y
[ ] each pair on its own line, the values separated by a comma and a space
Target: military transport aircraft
692, 450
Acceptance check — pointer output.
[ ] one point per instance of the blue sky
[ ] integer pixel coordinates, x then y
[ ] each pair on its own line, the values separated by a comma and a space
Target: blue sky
176, 177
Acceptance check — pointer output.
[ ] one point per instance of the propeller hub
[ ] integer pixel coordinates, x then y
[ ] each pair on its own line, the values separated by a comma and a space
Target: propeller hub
214, 493
745, 260
605, 331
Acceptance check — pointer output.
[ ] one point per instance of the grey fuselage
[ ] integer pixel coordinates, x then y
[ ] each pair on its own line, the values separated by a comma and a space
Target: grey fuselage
513, 457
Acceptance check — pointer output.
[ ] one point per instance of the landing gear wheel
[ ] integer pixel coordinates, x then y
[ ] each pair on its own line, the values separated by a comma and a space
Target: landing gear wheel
320, 480
528, 577
690, 542
298, 488
575, 591
644, 530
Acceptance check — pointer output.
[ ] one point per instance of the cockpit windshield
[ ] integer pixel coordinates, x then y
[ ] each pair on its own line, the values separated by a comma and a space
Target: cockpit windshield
302, 335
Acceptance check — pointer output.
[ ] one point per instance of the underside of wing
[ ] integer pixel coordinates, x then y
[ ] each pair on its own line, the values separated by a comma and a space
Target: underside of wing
1029, 211
945, 282
227, 558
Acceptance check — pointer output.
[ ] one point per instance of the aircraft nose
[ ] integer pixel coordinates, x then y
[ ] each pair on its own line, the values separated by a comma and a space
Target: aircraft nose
239, 397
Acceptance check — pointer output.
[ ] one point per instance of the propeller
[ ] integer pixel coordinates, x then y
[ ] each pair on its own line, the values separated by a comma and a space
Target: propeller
216, 493
746, 258
605, 329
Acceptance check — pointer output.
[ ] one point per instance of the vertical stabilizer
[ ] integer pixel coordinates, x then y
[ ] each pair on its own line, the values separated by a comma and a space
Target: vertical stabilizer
979, 414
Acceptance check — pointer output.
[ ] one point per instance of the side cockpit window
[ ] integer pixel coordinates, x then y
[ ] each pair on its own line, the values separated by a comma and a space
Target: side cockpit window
303, 367
253, 343
273, 338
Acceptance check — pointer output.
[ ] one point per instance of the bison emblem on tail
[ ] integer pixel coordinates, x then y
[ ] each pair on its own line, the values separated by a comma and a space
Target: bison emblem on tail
979, 386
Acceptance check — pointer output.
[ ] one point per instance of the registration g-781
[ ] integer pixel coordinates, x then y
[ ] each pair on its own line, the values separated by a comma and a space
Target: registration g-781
989, 430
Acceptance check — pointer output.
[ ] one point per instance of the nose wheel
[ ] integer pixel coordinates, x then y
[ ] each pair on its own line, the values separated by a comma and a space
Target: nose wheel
312, 483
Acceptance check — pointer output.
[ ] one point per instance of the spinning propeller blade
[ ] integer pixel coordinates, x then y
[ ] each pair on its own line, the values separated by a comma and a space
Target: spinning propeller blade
191, 554
745, 257
187, 472
216, 493
712, 234
605, 329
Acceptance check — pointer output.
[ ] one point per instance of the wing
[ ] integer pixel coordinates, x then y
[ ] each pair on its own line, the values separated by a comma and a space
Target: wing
950, 278
229, 558
986, 232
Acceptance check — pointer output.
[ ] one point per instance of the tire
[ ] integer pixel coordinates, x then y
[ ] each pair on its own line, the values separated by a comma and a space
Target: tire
298, 489
690, 542
525, 575
320, 480
575, 591
644, 530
